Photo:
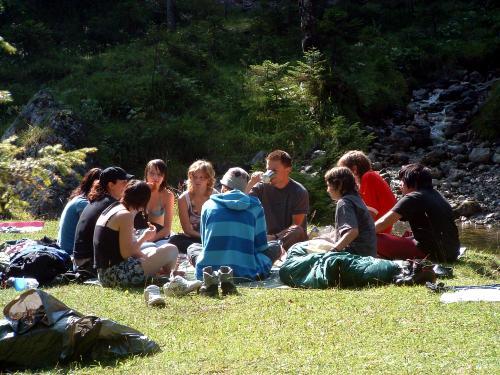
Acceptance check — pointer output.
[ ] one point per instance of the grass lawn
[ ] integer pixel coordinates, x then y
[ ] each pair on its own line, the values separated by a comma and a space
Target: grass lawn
386, 329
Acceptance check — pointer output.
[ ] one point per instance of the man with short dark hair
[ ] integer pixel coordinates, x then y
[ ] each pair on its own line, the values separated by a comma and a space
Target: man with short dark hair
285, 201
430, 216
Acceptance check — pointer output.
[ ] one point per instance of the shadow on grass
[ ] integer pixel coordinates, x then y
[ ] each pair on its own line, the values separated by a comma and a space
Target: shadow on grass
71, 367
487, 265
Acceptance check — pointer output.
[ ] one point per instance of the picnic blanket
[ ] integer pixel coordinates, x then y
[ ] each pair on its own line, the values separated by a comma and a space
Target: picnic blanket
477, 294
21, 226
272, 282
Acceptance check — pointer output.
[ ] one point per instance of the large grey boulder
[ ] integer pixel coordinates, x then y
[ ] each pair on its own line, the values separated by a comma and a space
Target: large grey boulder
468, 208
434, 157
59, 125
480, 155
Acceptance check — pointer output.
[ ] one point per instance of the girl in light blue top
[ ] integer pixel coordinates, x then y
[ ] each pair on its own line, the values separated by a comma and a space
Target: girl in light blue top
78, 200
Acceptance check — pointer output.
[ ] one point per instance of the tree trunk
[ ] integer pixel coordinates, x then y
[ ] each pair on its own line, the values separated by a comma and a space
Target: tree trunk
308, 23
171, 19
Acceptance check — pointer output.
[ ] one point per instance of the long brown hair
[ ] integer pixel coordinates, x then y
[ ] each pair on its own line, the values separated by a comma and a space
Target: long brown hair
161, 166
86, 183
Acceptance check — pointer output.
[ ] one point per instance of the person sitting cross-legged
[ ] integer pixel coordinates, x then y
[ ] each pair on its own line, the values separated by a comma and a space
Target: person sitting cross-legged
354, 227
435, 234
119, 260
233, 233
285, 201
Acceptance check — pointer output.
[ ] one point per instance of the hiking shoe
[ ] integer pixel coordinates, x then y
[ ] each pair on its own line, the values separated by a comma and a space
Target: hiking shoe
153, 297
419, 277
442, 272
179, 286
210, 286
226, 281
438, 287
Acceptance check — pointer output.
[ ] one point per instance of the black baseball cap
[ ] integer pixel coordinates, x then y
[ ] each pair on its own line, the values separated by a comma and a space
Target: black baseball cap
111, 174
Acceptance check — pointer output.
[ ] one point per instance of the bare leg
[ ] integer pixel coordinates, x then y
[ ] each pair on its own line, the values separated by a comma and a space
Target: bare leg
157, 257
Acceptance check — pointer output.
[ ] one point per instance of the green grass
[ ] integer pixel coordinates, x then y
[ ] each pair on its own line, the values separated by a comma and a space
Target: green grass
384, 329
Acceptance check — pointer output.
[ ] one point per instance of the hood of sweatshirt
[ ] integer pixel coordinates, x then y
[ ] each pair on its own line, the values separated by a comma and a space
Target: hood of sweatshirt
235, 200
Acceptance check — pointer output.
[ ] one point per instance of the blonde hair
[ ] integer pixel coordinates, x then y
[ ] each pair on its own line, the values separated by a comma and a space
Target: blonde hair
205, 167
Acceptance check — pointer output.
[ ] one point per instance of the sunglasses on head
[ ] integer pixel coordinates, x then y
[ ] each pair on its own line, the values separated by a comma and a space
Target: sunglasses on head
239, 174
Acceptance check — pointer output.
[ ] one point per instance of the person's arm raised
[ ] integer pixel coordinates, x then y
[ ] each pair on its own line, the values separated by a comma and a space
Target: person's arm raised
255, 178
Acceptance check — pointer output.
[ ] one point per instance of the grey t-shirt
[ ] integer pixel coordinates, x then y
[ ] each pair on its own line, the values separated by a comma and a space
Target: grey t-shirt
280, 204
351, 212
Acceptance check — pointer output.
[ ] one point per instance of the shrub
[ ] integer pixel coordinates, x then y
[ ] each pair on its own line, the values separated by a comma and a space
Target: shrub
34, 135
486, 122
32, 174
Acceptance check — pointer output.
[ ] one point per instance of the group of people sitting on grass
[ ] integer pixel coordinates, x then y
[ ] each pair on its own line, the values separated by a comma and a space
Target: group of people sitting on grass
121, 227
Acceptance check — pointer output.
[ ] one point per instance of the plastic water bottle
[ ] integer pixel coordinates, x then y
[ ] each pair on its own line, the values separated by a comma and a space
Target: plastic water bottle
22, 283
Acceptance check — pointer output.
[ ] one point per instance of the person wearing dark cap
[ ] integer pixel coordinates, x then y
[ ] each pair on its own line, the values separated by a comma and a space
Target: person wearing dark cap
233, 236
108, 190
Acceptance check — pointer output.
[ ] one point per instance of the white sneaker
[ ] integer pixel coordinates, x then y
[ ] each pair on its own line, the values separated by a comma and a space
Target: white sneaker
153, 297
179, 286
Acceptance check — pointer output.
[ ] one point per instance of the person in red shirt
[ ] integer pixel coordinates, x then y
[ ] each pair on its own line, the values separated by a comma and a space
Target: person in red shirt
374, 190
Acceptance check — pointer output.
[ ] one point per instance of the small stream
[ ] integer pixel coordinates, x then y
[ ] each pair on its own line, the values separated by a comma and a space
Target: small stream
484, 239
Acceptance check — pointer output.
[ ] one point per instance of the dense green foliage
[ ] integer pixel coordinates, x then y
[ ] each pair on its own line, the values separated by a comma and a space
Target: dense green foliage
32, 174
224, 87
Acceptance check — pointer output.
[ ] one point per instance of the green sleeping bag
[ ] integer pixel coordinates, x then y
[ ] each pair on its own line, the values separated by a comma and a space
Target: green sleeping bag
334, 269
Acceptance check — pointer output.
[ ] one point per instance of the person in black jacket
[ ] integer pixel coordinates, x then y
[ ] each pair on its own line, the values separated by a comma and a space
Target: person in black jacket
430, 216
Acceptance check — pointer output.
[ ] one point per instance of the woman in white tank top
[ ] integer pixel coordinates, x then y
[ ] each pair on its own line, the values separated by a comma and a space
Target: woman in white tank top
200, 185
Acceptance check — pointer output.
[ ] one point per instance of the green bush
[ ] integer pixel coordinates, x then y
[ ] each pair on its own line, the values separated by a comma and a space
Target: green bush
321, 210
487, 121
32, 38
32, 174
378, 85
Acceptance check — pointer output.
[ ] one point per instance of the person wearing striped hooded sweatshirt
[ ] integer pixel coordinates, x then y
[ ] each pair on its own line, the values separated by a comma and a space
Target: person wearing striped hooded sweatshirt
233, 232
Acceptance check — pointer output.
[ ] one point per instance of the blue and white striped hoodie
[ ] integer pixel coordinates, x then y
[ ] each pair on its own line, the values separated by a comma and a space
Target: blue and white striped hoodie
233, 233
